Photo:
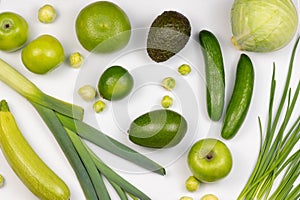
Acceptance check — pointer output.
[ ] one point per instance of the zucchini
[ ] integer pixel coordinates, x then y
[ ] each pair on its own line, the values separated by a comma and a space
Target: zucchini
241, 97
27, 165
215, 76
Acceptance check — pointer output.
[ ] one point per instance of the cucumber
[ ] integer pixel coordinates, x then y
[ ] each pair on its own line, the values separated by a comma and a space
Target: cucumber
27, 165
241, 97
215, 76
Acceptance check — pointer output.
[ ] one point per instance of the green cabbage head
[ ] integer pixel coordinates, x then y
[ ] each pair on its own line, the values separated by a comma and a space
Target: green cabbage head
263, 25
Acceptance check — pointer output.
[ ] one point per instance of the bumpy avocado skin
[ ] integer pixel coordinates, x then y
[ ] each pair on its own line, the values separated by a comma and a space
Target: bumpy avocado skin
168, 34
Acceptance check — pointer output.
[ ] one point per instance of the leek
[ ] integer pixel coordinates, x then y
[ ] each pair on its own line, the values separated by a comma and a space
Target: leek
27, 89
275, 155
65, 122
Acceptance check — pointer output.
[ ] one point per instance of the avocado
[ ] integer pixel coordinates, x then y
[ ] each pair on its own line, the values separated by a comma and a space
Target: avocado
158, 129
168, 34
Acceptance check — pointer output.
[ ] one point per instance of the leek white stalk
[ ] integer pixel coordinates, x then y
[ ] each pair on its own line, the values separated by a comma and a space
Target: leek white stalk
27, 89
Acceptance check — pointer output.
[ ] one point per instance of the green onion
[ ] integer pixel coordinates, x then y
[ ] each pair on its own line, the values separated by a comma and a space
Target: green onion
64, 121
275, 156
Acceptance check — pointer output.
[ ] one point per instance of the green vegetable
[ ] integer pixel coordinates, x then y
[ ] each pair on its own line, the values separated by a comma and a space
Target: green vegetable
87, 92
168, 83
215, 76
158, 129
192, 184
166, 101
76, 60
276, 158
61, 118
263, 26
241, 97
28, 166
105, 142
184, 69
168, 34
47, 14
99, 106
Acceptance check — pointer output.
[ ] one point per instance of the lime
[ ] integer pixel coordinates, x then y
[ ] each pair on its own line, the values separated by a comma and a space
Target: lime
13, 31
103, 27
115, 83
43, 54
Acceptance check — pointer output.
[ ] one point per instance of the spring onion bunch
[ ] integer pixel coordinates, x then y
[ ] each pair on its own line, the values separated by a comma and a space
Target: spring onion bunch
65, 122
277, 156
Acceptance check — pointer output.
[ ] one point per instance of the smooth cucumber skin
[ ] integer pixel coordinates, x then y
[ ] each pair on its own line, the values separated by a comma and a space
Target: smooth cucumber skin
27, 165
215, 75
158, 129
241, 97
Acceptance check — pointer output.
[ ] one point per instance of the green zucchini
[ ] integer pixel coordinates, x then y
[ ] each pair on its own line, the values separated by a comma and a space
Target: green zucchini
241, 97
215, 76
27, 165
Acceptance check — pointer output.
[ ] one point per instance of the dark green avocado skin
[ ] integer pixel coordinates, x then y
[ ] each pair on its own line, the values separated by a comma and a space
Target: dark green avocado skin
158, 129
168, 34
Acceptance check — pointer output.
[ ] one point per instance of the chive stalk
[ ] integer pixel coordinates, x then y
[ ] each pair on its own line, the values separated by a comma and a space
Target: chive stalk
275, 156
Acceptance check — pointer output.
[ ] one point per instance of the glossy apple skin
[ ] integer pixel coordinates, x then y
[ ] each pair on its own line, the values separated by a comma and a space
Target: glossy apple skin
209, 160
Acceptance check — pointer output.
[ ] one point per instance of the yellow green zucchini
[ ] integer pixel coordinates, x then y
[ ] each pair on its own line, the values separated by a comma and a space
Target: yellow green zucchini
27, 165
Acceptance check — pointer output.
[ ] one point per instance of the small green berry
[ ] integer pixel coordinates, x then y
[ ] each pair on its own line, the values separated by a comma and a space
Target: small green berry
1, 180
76, 60
87, 92
184, 69
47, 14
99, 106
168, 83
167, 101
186, 198
209, 197
192, 184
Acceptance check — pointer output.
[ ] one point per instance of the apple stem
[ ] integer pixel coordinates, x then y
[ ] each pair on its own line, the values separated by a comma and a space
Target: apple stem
209, 156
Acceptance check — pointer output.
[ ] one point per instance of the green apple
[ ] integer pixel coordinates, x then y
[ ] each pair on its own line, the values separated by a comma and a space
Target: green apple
14, 31
43, 54
209, 160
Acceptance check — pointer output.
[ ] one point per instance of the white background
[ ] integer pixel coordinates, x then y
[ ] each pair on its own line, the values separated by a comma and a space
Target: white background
63, 83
